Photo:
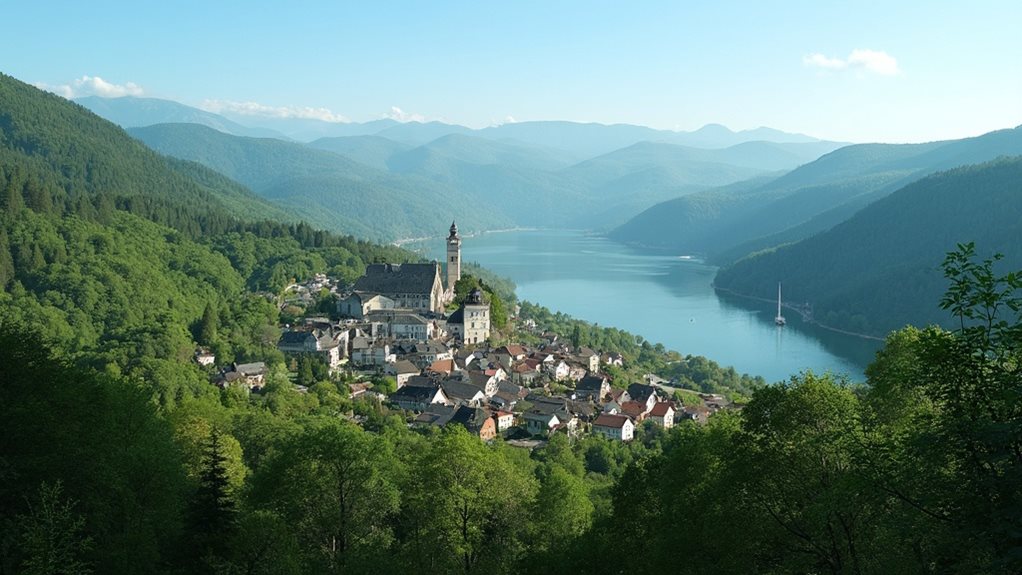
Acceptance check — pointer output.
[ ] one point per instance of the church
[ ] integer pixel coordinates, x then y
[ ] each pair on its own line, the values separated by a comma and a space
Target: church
418, 288
415, 287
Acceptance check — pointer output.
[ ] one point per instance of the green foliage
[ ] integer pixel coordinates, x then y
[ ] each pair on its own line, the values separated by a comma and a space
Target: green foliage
884, 276
52, 537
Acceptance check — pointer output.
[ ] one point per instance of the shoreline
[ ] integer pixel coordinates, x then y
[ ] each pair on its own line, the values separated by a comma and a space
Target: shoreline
808, 321
404, 241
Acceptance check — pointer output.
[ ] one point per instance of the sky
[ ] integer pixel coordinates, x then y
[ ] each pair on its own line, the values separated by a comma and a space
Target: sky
846, 71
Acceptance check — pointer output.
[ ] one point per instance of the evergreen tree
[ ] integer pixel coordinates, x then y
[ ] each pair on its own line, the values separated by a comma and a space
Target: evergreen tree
213, 506
209, 325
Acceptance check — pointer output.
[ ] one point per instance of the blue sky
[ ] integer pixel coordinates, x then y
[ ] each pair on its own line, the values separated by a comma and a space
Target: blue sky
852, 71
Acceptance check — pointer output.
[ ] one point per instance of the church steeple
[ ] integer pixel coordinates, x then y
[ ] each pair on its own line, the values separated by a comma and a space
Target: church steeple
453, 258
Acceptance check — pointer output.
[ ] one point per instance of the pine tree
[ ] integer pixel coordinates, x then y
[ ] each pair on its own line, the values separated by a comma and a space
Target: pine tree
208, 326
213, 512
6, 261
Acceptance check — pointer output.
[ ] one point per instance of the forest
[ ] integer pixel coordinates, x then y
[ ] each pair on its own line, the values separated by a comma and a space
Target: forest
916, 472
886, 275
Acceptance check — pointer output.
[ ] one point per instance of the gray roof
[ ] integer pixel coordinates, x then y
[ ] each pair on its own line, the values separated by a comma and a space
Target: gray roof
472, 418
460, 391
403, 366
295, 337
398, 278
590, 383
641, 392
413, 393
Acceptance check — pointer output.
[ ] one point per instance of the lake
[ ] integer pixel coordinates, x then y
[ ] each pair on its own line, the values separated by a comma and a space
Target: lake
664, 298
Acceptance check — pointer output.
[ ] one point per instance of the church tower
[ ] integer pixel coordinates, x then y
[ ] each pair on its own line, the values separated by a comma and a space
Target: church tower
453, 258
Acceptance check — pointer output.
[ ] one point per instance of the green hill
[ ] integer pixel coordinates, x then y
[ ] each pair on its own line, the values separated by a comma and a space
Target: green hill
118, 251
806, 200
879, 270
373, 151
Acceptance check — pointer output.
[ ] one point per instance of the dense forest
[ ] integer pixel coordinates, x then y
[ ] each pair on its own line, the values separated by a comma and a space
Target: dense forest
118, 456
917, 472
886, 275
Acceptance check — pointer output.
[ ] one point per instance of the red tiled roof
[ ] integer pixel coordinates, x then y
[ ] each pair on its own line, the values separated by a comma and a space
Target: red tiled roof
660, 409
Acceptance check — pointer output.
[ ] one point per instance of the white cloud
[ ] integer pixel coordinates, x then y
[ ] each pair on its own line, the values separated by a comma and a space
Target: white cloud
873, 61
257, 109
820, 61
93, 86
402, 116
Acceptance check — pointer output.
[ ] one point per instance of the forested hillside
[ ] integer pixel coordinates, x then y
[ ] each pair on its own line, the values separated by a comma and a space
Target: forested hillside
877, 271
726, 224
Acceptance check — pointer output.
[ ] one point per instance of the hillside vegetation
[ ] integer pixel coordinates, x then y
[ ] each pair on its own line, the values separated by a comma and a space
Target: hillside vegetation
727, 223
877, 271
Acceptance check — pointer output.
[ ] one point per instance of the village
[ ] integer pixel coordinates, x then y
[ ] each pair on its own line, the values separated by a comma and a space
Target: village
395, 322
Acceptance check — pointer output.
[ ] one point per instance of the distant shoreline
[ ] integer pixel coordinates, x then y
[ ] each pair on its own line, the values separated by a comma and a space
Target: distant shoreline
809, 321
404, 241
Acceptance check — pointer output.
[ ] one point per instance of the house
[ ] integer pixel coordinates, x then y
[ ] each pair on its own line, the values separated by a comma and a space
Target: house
614, 427
321, 342
410, 286
476, 420
377, 353
402, 369
662, 414
697, 413
643, 394
612, 358
558, 369
539, 423
488, 383
204, 357
359, 305
592, 387
400, 325
505, 420
463, 393
436, 414
635, 410
589, 358
443, 367
250, 375
418, 397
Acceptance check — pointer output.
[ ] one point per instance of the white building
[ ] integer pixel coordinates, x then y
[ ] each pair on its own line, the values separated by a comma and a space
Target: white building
614, 427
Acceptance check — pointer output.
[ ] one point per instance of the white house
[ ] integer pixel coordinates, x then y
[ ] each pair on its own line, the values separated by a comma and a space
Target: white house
614, 427
663, 414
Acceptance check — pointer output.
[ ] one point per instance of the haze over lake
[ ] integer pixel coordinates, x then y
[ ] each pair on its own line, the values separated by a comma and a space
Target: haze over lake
665, 298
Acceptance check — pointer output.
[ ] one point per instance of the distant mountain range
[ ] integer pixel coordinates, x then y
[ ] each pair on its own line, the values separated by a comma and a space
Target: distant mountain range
386, 180
726, 224
880, 269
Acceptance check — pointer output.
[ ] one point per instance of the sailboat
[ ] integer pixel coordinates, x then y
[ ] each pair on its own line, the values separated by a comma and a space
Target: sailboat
779, 320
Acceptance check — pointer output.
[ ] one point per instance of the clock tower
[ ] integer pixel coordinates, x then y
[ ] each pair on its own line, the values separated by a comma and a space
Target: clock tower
453, 258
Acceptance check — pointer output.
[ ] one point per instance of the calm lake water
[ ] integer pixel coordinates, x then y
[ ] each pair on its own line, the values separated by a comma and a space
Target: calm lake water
666, 299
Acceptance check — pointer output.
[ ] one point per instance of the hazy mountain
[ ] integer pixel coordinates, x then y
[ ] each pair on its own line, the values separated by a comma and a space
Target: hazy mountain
804, 201
325, 188
369, 150
308, 129
589, 140
133, 112
879, 270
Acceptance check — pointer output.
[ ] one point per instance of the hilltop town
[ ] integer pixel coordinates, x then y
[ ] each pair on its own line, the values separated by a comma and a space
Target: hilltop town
400, 336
